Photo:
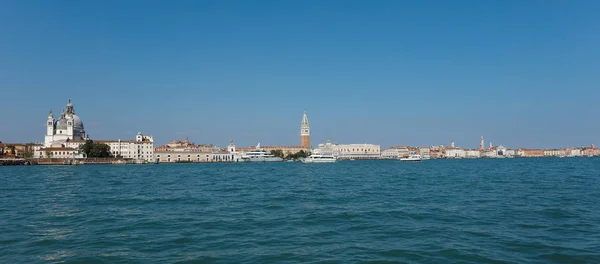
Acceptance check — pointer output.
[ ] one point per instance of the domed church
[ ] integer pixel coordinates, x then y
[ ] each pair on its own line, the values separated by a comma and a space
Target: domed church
67, 127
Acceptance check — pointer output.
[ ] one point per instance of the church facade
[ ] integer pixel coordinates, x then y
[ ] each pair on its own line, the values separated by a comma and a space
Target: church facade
67, 127
65, 136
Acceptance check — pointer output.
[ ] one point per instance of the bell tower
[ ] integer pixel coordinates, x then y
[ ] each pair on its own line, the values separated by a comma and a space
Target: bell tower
305, 132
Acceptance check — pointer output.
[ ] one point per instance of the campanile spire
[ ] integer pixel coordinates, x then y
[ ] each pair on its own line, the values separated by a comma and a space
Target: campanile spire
305, 132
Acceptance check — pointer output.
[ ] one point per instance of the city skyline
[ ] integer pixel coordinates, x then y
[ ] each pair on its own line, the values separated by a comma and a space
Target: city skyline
522, 74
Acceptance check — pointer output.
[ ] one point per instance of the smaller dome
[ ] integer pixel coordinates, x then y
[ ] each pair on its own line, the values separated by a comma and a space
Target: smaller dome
61, 124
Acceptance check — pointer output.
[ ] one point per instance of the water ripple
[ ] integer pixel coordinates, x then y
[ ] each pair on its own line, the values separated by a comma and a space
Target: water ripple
439, 211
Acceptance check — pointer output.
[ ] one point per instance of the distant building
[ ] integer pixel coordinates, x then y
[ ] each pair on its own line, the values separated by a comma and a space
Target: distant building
472, 153
141, 148
554, 152
186, 151
424, 152
68, 127
359, 151
456, 153
351, 151
530, 152
305, 132
20, 149
59, 152
395, 152
65, 136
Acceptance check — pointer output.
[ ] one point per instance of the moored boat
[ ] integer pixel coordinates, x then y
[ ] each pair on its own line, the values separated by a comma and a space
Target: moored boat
319, 158
412, 157
260, 155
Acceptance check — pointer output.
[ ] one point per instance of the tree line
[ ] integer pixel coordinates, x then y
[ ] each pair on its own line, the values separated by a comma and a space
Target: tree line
297, 155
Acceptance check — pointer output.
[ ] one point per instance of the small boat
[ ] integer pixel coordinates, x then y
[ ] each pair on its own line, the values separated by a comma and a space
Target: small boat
319, 158
412, 157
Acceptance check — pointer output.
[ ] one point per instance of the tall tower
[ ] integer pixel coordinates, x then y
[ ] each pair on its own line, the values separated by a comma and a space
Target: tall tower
305, 132
452, 144
50, 124
481, 144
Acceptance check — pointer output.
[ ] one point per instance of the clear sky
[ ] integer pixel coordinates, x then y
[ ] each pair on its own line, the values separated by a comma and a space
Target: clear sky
520, 73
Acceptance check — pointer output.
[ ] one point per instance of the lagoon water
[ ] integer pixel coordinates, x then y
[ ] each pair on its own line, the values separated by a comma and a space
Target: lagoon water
436, 211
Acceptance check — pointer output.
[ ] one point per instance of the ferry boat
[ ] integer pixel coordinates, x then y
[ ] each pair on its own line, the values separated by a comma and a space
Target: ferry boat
319, 158
412, 157
259, 155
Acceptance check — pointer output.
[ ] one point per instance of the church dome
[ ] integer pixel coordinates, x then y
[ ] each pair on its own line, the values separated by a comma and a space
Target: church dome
77, 124
61, 124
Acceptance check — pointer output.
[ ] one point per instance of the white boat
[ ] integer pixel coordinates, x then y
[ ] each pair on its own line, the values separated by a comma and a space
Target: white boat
412, 157
319, 158
259, 155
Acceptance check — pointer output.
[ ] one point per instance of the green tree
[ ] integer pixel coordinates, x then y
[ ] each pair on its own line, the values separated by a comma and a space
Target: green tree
298, 155
277, 153
49, 154
95, 150
12, 150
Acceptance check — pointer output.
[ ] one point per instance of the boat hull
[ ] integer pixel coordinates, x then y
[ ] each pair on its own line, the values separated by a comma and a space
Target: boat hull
318, 160
262, 159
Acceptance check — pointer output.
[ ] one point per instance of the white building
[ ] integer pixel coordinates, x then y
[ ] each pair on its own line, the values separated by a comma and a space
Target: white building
58, 152
472, 153
455, 153
351, 151
65, 136
141, 148
575, 152
67, 127
396, 152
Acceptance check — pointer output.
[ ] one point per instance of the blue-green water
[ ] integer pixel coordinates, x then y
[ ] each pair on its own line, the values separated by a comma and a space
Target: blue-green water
437, 211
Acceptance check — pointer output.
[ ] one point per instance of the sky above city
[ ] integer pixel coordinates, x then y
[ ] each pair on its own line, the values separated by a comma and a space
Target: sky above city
420, 73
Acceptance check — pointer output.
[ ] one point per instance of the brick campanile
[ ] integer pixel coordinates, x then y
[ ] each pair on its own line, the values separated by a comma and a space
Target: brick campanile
305, 132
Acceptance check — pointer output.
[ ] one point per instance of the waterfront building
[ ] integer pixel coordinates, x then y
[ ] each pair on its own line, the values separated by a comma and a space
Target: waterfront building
20, 149
590, 151
140, 148
472, 153
530, 152
186, 151
58, 152
65, 136
305, 132
351, 151
395, 152
575, 152
510, 153
554, 153
455, 153
67, 127
424, 152
358, 151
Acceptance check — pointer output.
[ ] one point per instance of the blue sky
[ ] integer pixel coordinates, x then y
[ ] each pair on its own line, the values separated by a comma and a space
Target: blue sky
520, 73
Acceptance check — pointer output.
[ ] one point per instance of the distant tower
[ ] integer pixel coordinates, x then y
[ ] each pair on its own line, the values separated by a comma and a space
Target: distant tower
481, 144
452, 144
231, 147
490, 145
50, 124
305, 132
